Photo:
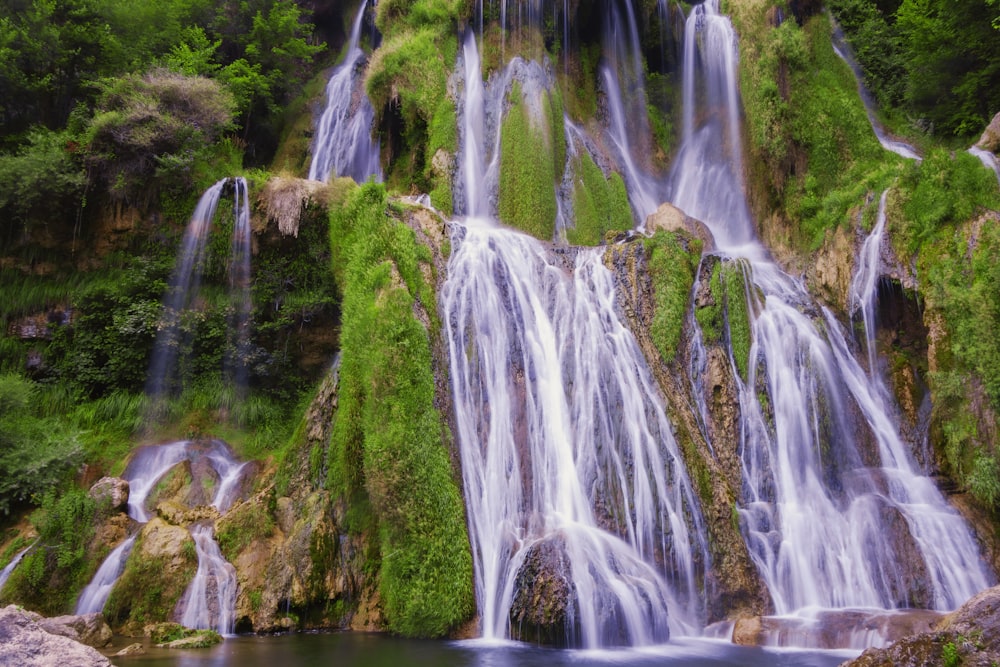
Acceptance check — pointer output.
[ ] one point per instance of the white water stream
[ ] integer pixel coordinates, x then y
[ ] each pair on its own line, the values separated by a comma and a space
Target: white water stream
344, 145
14, 562
825, 529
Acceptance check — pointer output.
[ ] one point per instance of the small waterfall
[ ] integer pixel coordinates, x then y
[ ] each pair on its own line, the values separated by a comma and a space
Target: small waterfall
147, 466
864, 284
344, 145
988, 159
825, 528
96, 593
239, 289
186, 280
210, 600
623, 80
474, 132
843, 51
14, 562
564, 438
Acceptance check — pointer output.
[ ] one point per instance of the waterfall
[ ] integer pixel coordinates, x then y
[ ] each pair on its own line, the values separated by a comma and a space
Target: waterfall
344, 146
210, 599
6, 571
239, 289
146, 468
186, 280
96, 593
843, 51
864, 284
988, 159
825, 527
623, 80
564, 437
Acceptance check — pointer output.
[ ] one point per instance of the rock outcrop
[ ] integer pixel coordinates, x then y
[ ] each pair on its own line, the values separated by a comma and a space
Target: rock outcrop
24, 642
968, 637
89, 629
111, 490
990, 141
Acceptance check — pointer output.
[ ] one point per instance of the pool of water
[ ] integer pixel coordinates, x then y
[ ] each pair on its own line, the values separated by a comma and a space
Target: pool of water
373, 650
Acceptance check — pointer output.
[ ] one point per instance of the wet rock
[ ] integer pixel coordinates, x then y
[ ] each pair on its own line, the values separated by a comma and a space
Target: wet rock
111, 490
968, 637
132, 649
179, 515
833, 629
542, 611
833, 268
89, 629
671, 219
990, 141
24, 643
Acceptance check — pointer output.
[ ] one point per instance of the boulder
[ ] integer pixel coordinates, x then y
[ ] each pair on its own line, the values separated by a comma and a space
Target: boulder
112, 490
542, 611
89, 629
968, 637
990, 141
132, 649
24, 643
669, 218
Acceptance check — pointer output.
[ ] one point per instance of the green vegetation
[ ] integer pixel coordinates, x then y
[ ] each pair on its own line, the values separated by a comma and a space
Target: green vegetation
600, 204
390, 445
50, 577
150, 587
164, 633
812, 147
673, 263
529, 166
243, 525
727, 316
935, 62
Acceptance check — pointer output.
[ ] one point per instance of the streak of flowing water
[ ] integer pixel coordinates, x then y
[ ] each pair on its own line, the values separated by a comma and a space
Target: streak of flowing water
239, 288
864, 284
623, 80
344, 146
843, 51
95, 594
186, 279
209, 602
14, 562
824, 529
988, 159
184, 282
565, 442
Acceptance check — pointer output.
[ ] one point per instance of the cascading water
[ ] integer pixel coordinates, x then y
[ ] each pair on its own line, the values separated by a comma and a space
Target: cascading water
210, 600
989, 160
843, 51
824, 528
565, 444
344, 145
218, 580
185, 282
623, 80
239, 289
865, 282
14, 562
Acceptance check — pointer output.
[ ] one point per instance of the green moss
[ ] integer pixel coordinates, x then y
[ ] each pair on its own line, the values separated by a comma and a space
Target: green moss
710, 316
527, 196
673, 262
389, 448
600, 204
51, 576
241, 526
737, 315
150, 587
167, 633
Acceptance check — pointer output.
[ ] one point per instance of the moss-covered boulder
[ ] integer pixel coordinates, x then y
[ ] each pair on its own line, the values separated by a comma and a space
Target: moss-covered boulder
543, 609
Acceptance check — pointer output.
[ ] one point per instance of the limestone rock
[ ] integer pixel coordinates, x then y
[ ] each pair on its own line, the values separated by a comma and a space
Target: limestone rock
161, 540
132, 649
179, 515
833, 267
24, 643
542, 611
113, 490
990, 141
669, 218
89, 629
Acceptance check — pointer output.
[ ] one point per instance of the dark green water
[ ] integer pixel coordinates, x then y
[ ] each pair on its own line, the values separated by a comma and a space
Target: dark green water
369, 650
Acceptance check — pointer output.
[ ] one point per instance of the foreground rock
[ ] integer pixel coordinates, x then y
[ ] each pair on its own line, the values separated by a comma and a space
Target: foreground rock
969, 637
24, 643
89, 629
